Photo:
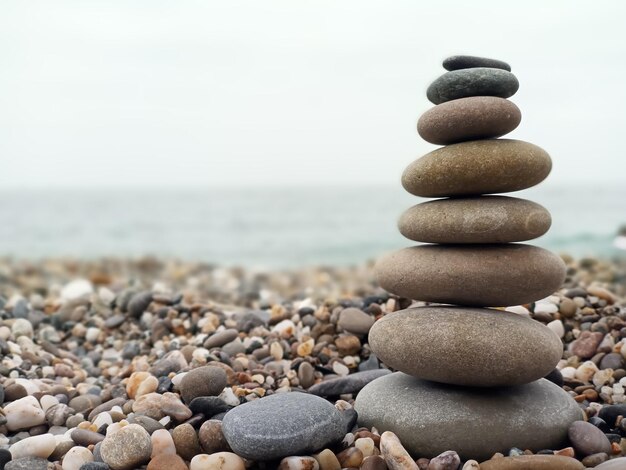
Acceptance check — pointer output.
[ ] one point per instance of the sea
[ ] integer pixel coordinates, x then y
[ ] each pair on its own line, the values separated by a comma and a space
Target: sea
268, 228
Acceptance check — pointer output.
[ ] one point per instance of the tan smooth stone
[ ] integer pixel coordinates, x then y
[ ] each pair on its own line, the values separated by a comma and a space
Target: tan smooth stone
482, 219
440, 344
472, 118
533, 462
477, 167
394, 453
472, 275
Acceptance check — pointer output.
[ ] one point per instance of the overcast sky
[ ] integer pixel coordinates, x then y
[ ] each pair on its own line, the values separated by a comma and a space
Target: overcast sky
249, 93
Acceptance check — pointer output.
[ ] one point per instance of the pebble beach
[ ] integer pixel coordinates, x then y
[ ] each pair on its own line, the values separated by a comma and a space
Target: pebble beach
152, 364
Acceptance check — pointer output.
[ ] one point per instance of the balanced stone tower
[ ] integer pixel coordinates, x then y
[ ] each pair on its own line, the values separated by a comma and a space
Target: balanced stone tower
470, 377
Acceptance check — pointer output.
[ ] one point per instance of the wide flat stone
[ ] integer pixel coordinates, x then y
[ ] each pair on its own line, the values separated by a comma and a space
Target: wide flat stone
481, 219
477, 167
282, 425
466, 346
457, 62
533, 462
430, 418
472, 275
473, 118
478, 81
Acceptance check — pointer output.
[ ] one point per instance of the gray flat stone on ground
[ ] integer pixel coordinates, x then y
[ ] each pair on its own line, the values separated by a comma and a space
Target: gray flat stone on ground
351, 383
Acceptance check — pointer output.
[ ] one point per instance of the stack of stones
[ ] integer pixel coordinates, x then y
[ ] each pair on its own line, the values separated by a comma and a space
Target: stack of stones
471, 378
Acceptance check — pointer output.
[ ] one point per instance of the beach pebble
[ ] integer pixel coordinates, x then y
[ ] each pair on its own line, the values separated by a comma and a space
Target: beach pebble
211, 437
167, 462
615, 464
217, 461
29, 463
23, 414
351, 383
156, 406
35, 446
448, 460
540, 412
298, 463
128, 448
86, 437
557, 327
471, 465
162, 443
327, 460
586, 344
221, 338
476, 117
458, 62
355, 321
472, 275
282, 425
587, 439
202, 382
95, 466
76, 289
22, 327
395, 455
76, 457
477, 167
186, 441
374, 462
306, 375
477, 81
483, 219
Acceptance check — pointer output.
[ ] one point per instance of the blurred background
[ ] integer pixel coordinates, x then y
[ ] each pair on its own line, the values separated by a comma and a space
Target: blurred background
273, 134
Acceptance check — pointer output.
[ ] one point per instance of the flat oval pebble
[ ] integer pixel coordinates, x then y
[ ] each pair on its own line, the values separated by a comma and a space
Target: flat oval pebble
202, 382
472, 275
533, 462
458, 62
473, 118
477, 81
481, 219
477, 167
587, 439
351, 383
440, 344
282, 425
430, 418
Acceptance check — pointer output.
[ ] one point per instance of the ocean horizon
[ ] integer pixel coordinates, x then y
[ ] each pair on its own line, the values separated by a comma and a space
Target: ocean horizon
267, 227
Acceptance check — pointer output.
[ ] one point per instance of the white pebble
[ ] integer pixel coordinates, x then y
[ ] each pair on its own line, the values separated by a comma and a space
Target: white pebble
229, 397
76, 289
217, 461
162, 443
24, 413
285, 328
76, 457
47, 401
519, 309
603, 377
557, 327
102, 419
585, 371
568, 372
22, 327
92, 334
177, 379
30, 386
545, 307
35, 446
340, 369
365, 445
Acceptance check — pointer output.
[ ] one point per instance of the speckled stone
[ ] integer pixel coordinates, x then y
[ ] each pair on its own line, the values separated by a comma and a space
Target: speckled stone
430, 418
127, 449
476, 117
472, 275
282, 425
533, 462
477, 167
458, 62
466, 346
29, 463
477, 81
481, 219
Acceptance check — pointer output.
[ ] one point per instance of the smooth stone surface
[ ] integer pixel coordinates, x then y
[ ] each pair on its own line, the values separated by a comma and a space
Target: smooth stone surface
29, 463
127, 449
35, 446
349, 384
395, 455
24, 413
76, 457
466, 346
615, 464
477, 81
217, 461
167, 462
587, 439
533, 462
477, 167
356, 321
458, 62
282, 425
472, 275
202, 382
430, 418
473, 118
481, 219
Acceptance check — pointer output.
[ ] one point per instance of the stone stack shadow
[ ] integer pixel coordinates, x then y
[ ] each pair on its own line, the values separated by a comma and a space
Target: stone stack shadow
470, 377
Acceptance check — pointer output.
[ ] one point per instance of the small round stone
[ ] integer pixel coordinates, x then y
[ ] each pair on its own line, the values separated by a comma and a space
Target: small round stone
458, 62
481, 219
76, 457
211, 437
478, 81
477, 167
356, 321
217, 461
128, 448
450, 353
472, 275
473, 118
281, 425
202, 382
587, 439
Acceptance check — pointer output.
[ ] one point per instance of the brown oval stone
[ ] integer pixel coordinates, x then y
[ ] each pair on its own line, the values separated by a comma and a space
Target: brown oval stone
482, 219
449, 352
477, 167
533, 462
476, 117
472, 275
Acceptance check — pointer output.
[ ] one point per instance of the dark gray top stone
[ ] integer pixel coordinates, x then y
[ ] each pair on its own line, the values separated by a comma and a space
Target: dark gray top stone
281, 425
349, 384
480, 81
457, 62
